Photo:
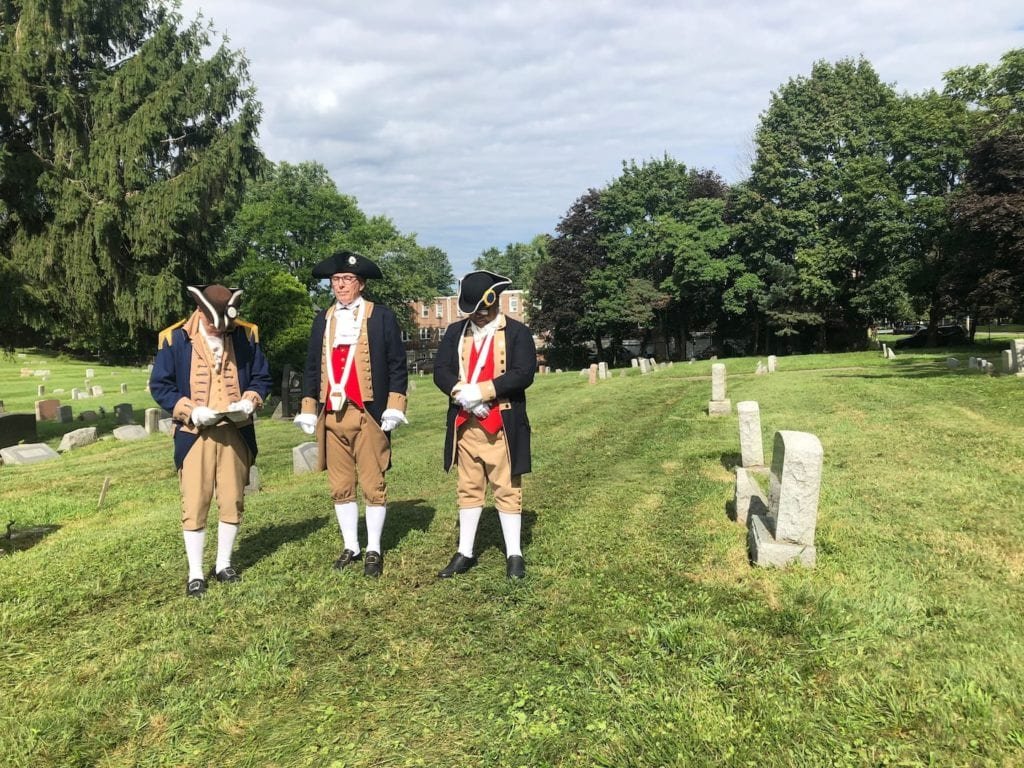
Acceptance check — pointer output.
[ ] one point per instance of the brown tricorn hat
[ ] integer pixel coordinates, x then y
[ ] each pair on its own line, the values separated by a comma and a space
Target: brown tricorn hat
218, 304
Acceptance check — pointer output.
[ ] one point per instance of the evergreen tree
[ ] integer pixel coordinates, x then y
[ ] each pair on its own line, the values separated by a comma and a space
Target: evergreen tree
123, 152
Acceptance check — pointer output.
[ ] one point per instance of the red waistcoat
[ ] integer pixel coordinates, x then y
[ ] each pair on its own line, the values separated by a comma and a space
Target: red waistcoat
492, 423
338, 357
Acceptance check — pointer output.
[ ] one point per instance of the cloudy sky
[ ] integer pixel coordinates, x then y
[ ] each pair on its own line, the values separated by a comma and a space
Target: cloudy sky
477, 124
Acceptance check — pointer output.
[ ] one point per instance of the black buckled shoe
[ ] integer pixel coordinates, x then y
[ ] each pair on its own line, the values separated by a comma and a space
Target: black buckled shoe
227, 575
196, 588
374, 564
346, 558
459, 564
515, 567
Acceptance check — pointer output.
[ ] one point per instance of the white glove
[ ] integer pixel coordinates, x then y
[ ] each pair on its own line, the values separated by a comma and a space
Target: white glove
482, 411
244, 405
391, 418
469, 396
306, 422
203, 416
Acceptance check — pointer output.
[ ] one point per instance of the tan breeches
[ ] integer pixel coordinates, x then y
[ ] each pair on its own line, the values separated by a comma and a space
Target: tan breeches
218, 463
482, 459
356, 443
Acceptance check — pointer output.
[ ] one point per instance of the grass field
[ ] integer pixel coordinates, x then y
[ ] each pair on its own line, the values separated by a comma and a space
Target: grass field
641, 636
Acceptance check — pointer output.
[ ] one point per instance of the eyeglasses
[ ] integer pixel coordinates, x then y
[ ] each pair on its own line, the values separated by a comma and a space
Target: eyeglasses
344, 279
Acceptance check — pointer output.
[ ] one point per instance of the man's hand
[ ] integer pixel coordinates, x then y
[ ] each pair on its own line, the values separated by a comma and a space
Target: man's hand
391, 418
244, 405
468, 396
306, 422
203, 416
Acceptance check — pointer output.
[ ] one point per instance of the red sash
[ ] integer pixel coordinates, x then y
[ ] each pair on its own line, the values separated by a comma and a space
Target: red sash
338, 357
492, 423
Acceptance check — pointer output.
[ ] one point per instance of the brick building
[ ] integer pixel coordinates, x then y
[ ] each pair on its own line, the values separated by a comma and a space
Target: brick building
432, 319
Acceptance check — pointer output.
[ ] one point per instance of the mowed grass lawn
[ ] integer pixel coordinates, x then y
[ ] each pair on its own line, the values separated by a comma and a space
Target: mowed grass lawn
641, 636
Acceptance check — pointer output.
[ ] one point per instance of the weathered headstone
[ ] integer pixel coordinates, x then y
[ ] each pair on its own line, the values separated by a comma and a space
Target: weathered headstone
40, 390
972, 362
1007, 361
151, 421
952, 362
719, 405
786, 533
773, 363
305, 458
592, 374
47, 410
96, 391
90, 373
166, 426
890, 354
88, 416
760, 370
124, 413
28, 453
1017, 353
66, 414
634, 362
885, 351
645, 366
749, 499
124, 388
291, 393
751, 447
17, 427
76, 394
253, 486
77, 438
602, 370
130, 432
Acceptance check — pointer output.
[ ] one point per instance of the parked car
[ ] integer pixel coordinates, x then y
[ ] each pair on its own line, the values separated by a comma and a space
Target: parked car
422, 366
907, 329
947, 336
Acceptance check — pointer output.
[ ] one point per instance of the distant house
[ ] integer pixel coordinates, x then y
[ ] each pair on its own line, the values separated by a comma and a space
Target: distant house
433, 317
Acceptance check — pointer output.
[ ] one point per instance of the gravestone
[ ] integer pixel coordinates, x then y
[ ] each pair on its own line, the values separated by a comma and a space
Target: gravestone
972, 362
124, 388
786, 533
773, 362
17, 427
151, 421
130, 432
1007, 361
952, 362
291, 393
719, 405
885, 351
166, 426
1017, 353
602, 370
748, 499
890, 354
653, 364
305, 458
760, 370
253, 486
634, 363
645, 366
77, 438
592, 373
88, 416
96, 391
66, 415
28, 453
751, 448
124, 413
47, 410
40, 390
76, 394
90, 373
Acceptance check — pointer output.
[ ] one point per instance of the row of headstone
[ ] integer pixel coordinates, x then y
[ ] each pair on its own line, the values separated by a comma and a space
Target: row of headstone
981, 364
781, 527
52, 410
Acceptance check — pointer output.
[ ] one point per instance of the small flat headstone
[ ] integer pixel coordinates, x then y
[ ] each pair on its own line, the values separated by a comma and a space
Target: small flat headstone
28, 453
77, 438
130, 432
305, 458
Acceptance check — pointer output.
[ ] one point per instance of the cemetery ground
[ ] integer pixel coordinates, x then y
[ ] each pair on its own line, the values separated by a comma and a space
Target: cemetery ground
640, 637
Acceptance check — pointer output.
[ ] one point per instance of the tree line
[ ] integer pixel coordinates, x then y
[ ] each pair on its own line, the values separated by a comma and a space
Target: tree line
130, 167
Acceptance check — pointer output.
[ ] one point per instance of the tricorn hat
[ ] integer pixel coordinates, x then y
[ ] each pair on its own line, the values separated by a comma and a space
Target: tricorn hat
219, 304
347, 261
481, 289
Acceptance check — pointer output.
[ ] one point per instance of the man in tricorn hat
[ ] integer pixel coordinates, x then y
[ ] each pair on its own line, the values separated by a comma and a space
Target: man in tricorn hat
210, 374
354, 395
485, 365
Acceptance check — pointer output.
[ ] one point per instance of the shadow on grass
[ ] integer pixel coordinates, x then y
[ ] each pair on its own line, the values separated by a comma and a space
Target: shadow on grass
731, 460
17, 539
265, 541
405, 516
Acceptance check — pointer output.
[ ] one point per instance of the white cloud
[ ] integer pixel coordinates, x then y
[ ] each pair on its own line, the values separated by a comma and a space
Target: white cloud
478, 124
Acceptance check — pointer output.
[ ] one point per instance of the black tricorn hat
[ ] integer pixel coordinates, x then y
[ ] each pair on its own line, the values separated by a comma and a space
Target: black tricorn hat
347, 261
481, 289
219, 304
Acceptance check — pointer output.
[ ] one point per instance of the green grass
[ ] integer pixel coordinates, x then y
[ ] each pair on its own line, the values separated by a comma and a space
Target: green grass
641, 636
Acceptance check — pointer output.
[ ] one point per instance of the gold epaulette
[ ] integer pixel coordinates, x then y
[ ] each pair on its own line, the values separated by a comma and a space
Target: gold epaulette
251, 330
165, 334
